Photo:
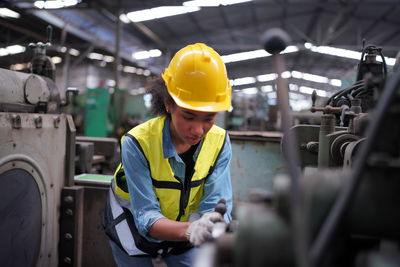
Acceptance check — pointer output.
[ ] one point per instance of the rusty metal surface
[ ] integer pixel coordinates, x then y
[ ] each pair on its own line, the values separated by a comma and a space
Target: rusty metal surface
256, 159
38, 146
95, 247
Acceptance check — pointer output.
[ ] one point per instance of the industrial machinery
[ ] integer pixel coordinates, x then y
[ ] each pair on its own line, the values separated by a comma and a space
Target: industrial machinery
338, 204
36, 144
47, 218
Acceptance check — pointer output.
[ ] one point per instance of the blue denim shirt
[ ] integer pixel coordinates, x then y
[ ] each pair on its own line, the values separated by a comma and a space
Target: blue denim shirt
144, 204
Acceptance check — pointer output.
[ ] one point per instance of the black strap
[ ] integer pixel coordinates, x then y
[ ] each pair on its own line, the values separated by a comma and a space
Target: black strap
166, 184
197, 182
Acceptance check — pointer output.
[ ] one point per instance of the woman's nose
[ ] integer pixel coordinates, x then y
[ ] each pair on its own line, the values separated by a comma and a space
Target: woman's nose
197, 129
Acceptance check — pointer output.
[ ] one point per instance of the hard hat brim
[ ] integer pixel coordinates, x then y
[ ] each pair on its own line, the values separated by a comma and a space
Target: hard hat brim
203, 106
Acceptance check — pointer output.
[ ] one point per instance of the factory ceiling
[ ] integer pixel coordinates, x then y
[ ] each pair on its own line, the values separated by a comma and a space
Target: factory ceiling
315, 27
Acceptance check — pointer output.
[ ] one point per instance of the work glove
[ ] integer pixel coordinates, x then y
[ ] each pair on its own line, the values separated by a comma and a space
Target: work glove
200, 230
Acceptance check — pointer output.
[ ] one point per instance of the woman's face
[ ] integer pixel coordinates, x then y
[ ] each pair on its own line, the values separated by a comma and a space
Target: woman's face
189, 127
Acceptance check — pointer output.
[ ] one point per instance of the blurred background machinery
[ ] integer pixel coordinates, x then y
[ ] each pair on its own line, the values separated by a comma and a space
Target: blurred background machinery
48, 218
341, 210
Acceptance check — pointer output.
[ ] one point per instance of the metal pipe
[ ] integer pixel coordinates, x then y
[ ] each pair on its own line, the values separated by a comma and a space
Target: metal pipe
118, 106
117, 49
327, 127
276, 40
66, 74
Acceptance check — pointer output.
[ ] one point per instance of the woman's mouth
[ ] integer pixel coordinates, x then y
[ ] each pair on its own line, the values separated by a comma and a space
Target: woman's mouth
194, 140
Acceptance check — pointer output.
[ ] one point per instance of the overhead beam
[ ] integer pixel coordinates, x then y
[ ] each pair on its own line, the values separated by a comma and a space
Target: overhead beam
339, 24
227, 25
150, 34
376, 22
199, 26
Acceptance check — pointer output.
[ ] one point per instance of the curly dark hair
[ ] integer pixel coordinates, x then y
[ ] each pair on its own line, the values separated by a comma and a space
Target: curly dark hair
159, 93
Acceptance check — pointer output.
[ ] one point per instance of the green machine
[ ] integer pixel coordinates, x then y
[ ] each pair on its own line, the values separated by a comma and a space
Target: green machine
106, 113
97, 110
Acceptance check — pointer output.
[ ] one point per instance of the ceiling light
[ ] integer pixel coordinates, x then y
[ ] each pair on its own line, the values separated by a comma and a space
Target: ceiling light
290, 49
232, 2
308, 45
62, 49
389, 60
336, 52
108, 59
208, 3
335, 82
297, 74
124, 18
73, 52
155, 53
56, 60
5, 12
244, 80
306, 90
266, 77
141, 55
129, 69
301, 104
340, 52
267, 88
3, 52
15, 49
53, 4
293, 87
245, 55
159, 12
201, 3
285, 74
296, 96
250, 91
146, 54
309, 91
315, 78
95, 56
271, 95
254, 54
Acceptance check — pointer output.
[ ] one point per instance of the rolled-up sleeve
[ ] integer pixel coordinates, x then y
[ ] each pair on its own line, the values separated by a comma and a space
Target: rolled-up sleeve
144, 204
218, 185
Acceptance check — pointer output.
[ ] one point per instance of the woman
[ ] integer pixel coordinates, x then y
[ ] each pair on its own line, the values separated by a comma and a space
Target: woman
174, 167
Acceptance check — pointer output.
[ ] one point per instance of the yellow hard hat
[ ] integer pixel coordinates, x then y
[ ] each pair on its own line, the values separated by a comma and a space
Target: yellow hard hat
196, 79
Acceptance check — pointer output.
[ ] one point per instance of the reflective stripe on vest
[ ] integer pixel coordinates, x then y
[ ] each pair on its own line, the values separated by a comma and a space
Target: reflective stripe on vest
123, 230
176, 202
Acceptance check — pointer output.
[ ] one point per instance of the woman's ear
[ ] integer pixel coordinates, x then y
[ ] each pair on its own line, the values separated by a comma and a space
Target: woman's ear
167, 106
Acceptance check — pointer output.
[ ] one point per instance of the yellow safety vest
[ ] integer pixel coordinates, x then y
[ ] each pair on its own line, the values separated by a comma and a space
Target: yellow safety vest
176, 202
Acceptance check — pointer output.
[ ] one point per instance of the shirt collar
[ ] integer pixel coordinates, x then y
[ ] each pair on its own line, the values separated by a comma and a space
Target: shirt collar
168, 147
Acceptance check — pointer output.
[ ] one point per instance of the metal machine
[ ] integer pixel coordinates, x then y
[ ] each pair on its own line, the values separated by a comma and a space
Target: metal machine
47, 217
338, 204
36, 144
